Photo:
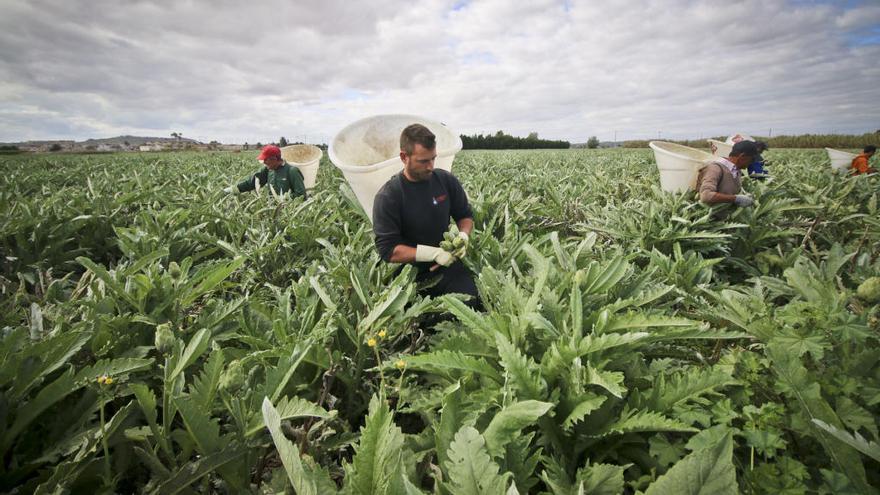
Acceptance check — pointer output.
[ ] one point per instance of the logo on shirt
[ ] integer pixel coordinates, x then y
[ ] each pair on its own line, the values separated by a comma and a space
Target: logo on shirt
439, 199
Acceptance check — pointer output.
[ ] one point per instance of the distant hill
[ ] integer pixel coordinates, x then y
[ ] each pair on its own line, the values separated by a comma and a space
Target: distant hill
118, 140
135, 140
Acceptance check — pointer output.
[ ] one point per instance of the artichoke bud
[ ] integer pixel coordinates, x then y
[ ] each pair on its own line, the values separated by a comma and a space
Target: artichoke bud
174, 269
233, 378
164, 338
869, 290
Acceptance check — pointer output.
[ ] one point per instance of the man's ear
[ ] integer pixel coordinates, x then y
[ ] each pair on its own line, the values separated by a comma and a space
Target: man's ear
403, 156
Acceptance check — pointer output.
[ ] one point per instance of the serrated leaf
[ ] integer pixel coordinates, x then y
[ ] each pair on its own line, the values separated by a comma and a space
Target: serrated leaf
523, 372
470, 470
796, 382
451, 417
204, 386
855, 416
452, 360
377, 465
602, 479
507, 423
307, 478
193, 471
582, 409
870, 449
205, 281
111, 368
290, 408
598, 343
609, 380
202, 428
686, 385
645, 421
193, 350
707, 472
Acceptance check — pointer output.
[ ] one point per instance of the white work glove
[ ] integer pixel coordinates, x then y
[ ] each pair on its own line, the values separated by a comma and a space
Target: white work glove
231, 190
435, 254
742, 200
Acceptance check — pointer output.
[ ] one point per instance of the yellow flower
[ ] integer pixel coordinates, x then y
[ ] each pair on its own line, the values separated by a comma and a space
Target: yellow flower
400, 364
101, 379
382, 334
371, 342
108, 380
105, 380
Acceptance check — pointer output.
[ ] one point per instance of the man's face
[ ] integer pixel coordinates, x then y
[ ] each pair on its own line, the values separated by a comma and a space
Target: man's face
742, 160
419, 165
272, 162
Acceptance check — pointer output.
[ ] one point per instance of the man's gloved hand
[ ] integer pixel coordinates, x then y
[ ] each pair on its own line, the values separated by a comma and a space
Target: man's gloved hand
231, 190
435, 254
742, 200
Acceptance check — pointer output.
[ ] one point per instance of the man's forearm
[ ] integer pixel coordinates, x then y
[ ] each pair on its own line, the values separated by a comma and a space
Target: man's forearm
717, 197
402, 254
465, 225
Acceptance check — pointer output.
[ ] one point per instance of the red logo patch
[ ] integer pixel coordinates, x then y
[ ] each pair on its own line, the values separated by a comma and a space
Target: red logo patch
440, 199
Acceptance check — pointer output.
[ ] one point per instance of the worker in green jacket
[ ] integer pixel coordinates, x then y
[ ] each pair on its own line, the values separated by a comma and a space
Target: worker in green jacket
278, 175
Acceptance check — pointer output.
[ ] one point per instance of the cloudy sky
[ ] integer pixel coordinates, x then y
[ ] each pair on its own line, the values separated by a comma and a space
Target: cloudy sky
254, 71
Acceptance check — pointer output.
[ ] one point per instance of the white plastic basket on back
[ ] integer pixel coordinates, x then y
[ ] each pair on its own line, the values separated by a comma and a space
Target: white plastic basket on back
368, 152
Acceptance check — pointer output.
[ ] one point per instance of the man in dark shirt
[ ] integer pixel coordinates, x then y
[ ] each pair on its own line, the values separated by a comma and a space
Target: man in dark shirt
412, 211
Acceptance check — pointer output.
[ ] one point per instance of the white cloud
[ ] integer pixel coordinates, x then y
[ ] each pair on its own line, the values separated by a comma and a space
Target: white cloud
255, 71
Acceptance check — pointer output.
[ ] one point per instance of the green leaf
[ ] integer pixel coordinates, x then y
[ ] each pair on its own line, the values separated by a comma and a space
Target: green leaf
203, 429
290, 408
644, 421
48, 355
194, 349
524, 373
377, 465
855, 416
795, 381
680, 387
609, 380
111, 368
582, 409
206, 280
204, 386
105, 276
451, 419
470, 470
602, 479
802, 344
306, 477
598, 343
452, 360
507, 423
194, 471
870, 449
147, 400
277, 377
632, 321
30, 410
708, 472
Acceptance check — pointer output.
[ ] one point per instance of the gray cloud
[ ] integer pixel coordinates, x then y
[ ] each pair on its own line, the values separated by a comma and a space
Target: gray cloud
240, 72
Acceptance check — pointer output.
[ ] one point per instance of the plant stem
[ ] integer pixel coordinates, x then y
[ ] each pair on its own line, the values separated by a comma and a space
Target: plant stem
107, 473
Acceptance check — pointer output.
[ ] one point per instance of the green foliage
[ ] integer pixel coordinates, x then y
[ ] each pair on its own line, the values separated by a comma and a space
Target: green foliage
188, 342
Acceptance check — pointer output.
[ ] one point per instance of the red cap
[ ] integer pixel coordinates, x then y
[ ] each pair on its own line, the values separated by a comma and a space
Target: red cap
269, 150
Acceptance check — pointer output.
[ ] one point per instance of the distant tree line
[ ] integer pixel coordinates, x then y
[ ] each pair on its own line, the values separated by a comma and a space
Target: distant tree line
854, 141
502, 141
